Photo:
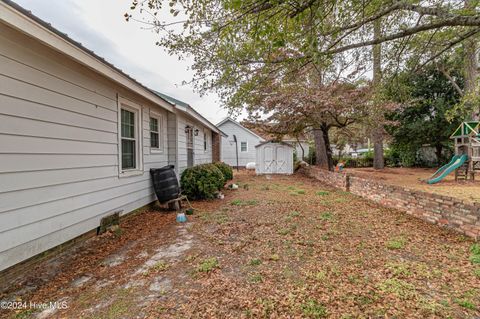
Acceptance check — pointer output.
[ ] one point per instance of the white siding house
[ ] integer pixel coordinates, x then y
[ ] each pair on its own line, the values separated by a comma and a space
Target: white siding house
195, 136
298, 145
77, 138
246, 142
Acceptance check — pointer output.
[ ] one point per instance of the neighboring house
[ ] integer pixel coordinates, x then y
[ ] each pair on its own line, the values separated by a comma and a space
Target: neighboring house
301, 144
78, 138
246, 140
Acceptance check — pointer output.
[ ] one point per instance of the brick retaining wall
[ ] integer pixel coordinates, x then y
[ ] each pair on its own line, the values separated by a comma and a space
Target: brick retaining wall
461, 216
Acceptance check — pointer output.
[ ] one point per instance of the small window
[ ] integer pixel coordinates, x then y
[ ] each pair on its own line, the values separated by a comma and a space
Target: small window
243, 146
154, 133
205, 141
128, 140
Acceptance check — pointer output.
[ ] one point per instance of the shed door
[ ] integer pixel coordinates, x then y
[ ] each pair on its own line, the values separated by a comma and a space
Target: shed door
268, 160
281, 160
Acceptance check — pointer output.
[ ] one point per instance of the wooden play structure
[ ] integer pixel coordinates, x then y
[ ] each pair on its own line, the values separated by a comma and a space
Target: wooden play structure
466, 160
467, 142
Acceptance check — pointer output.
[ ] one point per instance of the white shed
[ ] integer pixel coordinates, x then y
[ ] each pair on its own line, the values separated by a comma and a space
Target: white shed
274, 158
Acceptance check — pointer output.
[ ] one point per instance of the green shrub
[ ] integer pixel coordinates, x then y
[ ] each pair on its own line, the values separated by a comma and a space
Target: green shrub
202, 181
226, 170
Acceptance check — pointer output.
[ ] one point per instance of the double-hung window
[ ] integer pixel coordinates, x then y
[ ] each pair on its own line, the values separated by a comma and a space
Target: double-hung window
129, 128
154, 133
243, 146
129, 154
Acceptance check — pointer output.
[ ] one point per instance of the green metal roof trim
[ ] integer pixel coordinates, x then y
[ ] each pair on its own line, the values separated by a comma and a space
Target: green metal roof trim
188, 107
171, 99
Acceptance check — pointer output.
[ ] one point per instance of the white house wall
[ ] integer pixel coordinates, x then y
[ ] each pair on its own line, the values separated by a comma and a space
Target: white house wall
200, 155
228, 146
298, 149
59, 149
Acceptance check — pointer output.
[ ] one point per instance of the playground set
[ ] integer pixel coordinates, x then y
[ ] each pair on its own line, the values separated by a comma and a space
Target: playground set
466, 160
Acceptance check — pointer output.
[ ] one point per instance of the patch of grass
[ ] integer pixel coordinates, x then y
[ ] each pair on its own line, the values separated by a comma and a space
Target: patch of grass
160, 266
255, 262
239, 202
475, 254
430, 307
284, 231
321, 275
191, 258
118, 309
476, 272
326, 216
396, 243
399, 269
364, 300
255, 278
398, 287
208, 265
354, 279
268, 306
322, 193
215, 217
294, 214
236, 202
466, 303
25, 314
300, 192
313, 309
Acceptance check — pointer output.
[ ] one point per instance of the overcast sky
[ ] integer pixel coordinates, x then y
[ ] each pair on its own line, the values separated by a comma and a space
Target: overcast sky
101, 27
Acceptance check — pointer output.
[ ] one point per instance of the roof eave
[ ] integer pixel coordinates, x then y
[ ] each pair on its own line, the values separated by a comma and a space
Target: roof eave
20, 19
240, 125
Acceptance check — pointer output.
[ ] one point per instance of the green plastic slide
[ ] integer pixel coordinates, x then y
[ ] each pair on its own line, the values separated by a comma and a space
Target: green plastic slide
455, 163
441, 169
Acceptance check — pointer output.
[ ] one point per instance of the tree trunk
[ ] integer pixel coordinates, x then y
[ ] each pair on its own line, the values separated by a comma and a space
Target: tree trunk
328, 148
301, 146
377, 135
438, 153
322, 148
470, 63
378, 160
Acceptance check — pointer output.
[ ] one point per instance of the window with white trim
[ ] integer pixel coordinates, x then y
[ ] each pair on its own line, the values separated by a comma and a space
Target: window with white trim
243, 146
128, 140
154, 132
204, 141
130, 146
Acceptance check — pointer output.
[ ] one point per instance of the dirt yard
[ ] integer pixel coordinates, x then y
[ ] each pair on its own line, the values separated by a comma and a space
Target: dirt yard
413, 178
279, 247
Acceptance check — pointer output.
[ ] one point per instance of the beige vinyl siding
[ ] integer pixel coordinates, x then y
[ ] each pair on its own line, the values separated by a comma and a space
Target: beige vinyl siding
59, 149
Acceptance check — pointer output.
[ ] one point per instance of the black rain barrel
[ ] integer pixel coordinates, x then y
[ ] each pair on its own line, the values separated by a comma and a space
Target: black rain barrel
165, 183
